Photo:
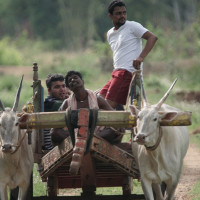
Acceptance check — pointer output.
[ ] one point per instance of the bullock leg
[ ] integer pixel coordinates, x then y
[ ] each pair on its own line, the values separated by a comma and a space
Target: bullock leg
3, 192
147, 189
163, 188
171, 190
172, 184
157, 191
22, 193
14, 193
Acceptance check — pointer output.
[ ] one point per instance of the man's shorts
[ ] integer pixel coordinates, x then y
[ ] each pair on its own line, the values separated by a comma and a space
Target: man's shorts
116, 89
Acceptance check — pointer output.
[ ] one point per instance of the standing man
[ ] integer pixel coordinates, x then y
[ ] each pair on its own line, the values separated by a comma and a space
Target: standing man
125, 40
57, 93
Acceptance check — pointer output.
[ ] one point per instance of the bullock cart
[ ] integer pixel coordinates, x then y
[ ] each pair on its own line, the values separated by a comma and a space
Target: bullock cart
88, 161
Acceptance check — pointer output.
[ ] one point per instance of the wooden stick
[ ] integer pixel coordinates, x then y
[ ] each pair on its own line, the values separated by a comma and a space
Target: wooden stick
105, 118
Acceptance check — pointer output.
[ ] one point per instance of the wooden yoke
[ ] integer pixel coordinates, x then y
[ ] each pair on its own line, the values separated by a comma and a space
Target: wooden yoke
105, 118
81, 136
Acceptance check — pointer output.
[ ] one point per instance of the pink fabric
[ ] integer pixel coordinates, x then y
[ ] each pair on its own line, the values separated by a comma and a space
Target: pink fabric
93, 103
92, 99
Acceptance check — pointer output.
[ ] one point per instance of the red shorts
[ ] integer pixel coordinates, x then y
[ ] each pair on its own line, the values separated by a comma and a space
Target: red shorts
116, 89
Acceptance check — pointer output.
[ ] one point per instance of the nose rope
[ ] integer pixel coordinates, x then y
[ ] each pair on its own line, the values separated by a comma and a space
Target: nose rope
19, 142
152, 148
134, 132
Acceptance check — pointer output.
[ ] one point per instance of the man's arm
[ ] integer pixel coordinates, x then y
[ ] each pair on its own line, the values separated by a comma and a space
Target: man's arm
59, 134
64, 105
151, 40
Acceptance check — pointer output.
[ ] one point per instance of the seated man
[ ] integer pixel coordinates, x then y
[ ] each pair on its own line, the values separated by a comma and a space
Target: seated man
84, 98
57, 93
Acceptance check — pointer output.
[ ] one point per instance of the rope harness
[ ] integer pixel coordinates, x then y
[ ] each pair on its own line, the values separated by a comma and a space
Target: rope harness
152, 148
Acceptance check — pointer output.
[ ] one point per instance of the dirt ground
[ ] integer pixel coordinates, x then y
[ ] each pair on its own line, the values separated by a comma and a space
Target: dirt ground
17, 71
190, 174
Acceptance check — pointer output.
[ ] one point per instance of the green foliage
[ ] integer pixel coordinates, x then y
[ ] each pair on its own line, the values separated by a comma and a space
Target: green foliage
6, 84
195, 139
8, 89
76, 24
192, 79
105, 55
9, 55
175, 44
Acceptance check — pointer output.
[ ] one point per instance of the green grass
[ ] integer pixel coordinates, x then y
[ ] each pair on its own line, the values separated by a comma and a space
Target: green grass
39, 187
194, 193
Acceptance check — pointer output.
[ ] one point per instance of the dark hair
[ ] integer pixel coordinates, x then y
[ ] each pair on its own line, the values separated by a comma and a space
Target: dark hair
70, 73
52, 78
114, 4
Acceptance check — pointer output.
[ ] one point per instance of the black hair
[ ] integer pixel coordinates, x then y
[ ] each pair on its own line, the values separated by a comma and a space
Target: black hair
70, 73
52, 78
114, 4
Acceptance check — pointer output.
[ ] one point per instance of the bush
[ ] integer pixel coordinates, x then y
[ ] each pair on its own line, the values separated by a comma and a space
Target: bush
9, 55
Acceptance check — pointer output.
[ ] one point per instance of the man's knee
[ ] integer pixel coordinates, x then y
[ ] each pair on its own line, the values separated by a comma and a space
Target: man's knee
113, 136
58, 135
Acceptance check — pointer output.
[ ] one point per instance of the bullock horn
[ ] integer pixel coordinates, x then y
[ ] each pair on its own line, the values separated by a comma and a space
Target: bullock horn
159, 104
1, 105
17, 96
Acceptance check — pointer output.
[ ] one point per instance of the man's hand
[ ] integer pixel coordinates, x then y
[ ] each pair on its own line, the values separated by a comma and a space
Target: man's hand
137, 62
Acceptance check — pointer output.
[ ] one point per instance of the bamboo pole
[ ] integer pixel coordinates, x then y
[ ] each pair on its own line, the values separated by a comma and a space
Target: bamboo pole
105, 118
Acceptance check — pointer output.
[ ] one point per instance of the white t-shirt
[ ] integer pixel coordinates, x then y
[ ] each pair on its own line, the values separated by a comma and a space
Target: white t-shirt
126, 44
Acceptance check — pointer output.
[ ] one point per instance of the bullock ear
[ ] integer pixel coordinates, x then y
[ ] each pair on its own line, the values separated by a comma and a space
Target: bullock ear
168, 116
134, 110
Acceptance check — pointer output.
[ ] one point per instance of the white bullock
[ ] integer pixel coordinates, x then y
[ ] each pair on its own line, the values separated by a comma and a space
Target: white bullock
161, 150
16, 156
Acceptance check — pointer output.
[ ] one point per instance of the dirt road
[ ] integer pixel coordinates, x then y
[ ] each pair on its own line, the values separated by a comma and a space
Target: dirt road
190, 174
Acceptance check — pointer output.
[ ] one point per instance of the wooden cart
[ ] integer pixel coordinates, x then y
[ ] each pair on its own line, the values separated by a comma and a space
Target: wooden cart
68, 166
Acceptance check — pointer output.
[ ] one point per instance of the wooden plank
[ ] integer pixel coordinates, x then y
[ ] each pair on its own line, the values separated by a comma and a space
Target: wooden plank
105, 118
88, 174
122, 160
101, 181
100, 149
56, 157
